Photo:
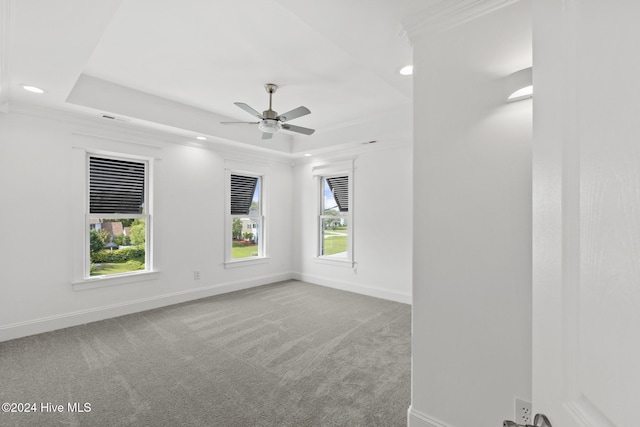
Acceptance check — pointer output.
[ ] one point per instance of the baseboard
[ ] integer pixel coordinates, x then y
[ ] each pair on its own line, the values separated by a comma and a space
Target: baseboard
418, 419
353, 287
51, 323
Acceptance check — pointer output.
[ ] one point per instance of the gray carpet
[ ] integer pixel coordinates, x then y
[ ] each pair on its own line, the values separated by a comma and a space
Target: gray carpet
286, 354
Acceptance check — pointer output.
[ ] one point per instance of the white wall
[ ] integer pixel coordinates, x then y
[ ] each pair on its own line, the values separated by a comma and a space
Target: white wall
381, 224
38, 190
472, 224
41, 209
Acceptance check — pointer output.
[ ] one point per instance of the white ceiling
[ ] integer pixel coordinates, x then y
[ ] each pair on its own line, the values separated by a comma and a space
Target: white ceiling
179, 66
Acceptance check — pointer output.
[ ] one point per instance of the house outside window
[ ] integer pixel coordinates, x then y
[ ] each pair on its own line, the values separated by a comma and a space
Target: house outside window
117, 219
245, 206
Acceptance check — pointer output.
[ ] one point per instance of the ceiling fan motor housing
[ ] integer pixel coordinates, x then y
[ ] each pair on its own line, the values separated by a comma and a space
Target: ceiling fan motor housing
269, 114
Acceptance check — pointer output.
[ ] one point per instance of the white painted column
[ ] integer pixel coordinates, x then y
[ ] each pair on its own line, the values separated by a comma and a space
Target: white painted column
472, 215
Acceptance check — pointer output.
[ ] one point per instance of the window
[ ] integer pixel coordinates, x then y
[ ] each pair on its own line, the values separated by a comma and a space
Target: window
335, 218
117, 219
245, 215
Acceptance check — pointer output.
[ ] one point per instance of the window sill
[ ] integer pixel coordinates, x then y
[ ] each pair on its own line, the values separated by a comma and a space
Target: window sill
123, 279
335, 261
245, 262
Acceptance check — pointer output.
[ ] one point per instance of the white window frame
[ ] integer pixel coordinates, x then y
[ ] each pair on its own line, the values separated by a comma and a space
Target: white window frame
260, 218
343, 168
83, 280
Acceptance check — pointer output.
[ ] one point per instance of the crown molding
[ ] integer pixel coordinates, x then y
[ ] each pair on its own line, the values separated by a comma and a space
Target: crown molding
442, 15
6, 13
81, 125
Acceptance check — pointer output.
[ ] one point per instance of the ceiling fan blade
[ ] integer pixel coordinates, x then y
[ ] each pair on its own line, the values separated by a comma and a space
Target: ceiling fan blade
299, 129
267, 135
293, 114
249, 110
239, 123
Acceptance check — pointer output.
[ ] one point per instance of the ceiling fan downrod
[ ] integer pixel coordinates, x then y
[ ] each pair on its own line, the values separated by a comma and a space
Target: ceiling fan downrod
271, 89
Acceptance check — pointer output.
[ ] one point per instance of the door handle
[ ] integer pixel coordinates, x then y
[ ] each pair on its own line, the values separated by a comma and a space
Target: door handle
540, 420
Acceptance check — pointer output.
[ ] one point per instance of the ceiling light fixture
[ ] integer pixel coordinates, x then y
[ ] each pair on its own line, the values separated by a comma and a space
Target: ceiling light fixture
407, 70
269, 125
201, 138
32, 89
307, 154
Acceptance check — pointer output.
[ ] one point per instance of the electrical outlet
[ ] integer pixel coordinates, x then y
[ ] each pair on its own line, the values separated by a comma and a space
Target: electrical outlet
196, 275
523, 412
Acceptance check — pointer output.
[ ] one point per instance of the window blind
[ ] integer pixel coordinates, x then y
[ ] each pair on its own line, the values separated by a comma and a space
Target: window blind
116, 186
339, 186
242, 190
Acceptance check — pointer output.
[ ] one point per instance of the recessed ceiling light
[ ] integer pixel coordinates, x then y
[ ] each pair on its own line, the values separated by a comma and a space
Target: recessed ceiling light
407, 70
201, 138
307, 154
33, 89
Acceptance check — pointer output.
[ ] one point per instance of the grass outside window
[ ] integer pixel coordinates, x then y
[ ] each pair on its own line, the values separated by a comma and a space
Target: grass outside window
335, 241
241, 250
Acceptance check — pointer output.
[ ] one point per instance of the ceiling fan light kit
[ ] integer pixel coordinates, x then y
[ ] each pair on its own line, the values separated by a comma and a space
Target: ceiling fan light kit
270, 122
269, 125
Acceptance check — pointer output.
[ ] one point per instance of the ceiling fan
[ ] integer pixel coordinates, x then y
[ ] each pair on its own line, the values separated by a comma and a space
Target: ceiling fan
270, 122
